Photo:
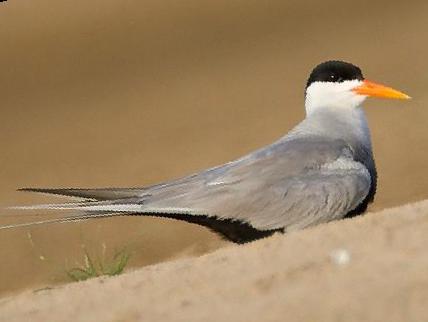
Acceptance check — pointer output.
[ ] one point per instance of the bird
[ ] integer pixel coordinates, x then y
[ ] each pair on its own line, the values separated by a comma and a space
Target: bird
322, 170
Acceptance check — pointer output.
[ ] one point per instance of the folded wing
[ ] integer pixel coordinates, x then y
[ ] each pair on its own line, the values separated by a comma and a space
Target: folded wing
289, 185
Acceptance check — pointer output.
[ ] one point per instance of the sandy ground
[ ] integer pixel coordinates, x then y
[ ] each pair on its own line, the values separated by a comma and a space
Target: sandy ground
123, 93
370, 268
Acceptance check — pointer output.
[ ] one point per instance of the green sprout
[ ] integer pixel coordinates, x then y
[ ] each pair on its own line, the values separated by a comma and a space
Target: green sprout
93, 268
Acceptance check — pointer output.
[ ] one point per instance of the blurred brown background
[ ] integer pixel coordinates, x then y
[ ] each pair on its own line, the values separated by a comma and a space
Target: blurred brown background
129, 93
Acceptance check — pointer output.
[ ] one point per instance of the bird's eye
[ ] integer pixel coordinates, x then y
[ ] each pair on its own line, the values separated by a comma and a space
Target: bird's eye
335, 78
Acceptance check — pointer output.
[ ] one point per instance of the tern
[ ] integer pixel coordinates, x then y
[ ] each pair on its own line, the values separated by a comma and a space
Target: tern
320, 171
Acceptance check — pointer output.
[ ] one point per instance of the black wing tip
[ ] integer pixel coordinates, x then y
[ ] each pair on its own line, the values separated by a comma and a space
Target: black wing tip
88, 193
29, 189
42, 190
47, 190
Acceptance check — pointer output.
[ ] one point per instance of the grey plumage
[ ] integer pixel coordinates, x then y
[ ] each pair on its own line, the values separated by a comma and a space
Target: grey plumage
303, 179
322, 170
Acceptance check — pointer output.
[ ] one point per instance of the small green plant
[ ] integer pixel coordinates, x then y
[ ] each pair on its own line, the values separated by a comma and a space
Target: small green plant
93, 268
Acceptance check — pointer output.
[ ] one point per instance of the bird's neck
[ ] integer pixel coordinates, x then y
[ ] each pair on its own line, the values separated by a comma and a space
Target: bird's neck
349, 124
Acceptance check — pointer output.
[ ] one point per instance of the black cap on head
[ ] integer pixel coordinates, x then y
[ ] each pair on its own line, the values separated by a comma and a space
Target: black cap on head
334, 71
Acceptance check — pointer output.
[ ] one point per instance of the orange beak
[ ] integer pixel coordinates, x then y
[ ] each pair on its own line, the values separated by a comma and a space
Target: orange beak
369, 88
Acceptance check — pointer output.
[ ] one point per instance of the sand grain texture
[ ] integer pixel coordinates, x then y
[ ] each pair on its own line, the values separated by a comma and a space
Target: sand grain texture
290, 277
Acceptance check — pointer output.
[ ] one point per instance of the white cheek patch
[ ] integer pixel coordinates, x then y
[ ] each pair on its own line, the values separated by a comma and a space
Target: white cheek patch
335, 95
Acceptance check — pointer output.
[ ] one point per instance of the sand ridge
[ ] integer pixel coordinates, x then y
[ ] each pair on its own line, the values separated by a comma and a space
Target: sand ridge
301, 276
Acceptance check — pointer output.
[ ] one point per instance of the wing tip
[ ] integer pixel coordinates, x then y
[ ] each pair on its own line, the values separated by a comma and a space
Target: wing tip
42, 190
54, 191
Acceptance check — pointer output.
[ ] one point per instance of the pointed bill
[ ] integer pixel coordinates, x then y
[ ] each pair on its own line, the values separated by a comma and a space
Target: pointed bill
372, 89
